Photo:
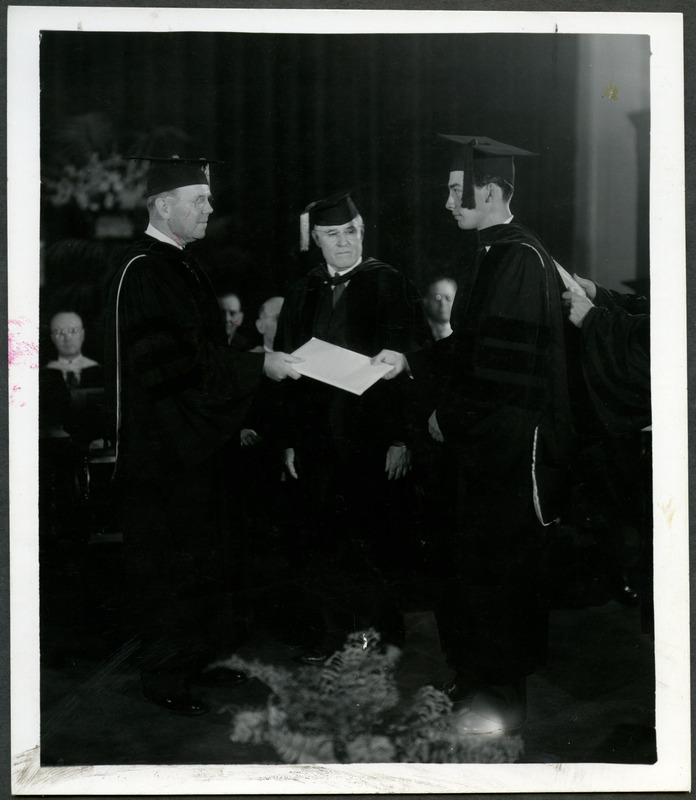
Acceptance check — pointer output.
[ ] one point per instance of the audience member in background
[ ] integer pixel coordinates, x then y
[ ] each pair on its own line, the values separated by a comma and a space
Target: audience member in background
231, 307
260, 415
347, 453
267, 323
71, 415
434, 474
71, 386
437, 302
68, 336
263, 506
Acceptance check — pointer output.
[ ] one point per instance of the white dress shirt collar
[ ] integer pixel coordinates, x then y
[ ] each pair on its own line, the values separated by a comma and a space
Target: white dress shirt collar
162, 237
333, 271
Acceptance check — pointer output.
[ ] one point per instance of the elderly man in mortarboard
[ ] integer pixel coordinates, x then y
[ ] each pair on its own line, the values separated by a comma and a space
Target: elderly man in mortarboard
503, 408
180, 395
348, 453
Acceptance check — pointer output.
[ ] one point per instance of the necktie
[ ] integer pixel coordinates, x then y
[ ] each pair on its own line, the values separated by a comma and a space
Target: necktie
338, 290
339, 283
71, 380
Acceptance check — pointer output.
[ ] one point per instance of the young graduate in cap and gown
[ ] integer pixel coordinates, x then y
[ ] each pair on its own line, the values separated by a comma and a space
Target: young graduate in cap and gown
179, 396
346, 451
500, 387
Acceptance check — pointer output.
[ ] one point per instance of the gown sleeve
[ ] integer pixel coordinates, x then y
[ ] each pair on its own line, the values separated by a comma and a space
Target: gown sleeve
198, 390
492, 373
616, 365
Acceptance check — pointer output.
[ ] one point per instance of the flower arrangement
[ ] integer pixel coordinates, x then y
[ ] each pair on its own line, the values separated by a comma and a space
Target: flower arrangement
350, 711
111, 184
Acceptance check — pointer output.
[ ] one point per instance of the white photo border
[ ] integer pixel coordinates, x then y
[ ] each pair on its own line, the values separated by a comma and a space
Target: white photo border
668, 294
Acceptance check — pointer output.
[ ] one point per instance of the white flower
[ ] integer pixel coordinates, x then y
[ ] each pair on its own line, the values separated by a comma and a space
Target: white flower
371, 749
248, 727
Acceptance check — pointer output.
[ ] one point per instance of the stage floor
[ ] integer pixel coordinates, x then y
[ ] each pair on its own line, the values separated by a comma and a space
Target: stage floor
594, 701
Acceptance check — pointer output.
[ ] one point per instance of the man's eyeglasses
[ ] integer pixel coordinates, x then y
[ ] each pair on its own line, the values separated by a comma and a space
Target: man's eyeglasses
65, 331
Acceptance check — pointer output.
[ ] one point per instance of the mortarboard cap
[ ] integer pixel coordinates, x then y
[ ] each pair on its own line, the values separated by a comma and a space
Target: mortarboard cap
166, 174
334, 210
480, 155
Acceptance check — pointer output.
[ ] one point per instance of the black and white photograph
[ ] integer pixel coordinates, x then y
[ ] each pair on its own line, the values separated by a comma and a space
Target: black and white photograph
347, 401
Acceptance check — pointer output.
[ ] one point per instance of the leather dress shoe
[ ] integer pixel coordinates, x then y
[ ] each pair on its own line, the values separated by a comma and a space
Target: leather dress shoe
494, 710
313, 658
626, 595
468, 721
184, 705
219, 676
171, 692
458, 690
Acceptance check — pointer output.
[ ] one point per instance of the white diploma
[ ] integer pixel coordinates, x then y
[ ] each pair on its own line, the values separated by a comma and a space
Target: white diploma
337, 366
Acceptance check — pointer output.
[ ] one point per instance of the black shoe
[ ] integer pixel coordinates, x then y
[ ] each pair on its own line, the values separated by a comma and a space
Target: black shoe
495, 710
627, 596
182, 704
458, 690
219, 676
313, 658
171, 692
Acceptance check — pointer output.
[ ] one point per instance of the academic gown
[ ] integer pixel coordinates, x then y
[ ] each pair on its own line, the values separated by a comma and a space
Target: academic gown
613, 469
181, 394
500, 387
379, 309
340, 439
616, 360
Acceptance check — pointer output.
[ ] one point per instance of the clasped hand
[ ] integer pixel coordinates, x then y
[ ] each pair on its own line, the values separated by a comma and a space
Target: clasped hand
578, 305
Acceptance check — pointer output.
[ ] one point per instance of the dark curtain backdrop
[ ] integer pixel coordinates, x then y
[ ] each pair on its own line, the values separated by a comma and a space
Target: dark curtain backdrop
295, 117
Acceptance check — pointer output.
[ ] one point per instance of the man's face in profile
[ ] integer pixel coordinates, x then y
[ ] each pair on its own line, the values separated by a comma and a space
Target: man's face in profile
189, 209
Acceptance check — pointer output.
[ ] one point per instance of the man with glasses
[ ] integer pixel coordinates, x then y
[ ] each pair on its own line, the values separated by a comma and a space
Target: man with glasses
180, 395
68, 335
437, 302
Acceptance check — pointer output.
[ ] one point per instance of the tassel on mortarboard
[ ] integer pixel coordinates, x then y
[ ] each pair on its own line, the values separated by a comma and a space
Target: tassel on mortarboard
468, 197
304, 231
481, 155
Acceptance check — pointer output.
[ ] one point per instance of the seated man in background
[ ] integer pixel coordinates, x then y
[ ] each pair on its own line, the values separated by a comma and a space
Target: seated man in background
262, 507
434, 474
437, 302
233, 316
71, 416
68, 336
267, 323
82, 377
